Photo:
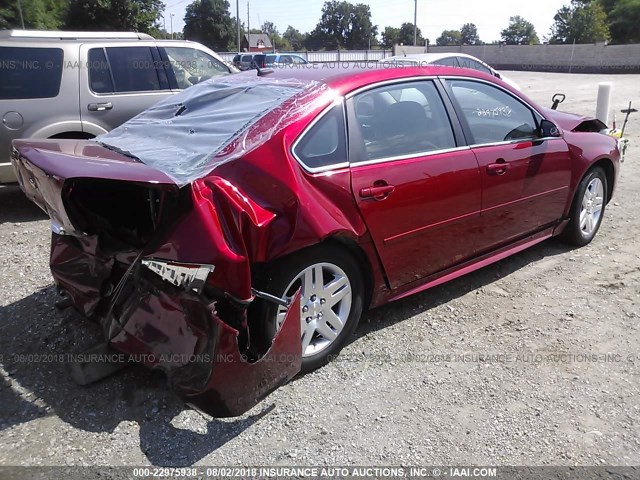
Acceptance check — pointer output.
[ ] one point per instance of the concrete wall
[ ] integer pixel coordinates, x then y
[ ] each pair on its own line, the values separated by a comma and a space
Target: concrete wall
589, 58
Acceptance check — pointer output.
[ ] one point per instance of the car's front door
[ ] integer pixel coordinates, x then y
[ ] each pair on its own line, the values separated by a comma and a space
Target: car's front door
418, 190
525, 179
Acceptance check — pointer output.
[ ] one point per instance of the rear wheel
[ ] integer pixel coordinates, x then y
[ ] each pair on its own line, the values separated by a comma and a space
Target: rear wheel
330, 305
587, 209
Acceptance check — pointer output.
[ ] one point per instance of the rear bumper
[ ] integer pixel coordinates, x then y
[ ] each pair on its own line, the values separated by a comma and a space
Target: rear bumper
184, 334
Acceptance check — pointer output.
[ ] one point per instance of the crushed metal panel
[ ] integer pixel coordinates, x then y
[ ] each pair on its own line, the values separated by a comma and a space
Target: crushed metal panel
237, 385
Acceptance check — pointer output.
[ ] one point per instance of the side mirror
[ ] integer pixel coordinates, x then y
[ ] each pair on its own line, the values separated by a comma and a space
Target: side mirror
549, 129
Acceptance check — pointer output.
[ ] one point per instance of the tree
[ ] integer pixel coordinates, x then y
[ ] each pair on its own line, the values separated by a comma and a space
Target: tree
37, 14
390, 37
623, 17
277, 41
469, 34
449, 37
343, 25
405, 36
520, 32
209, 22
580, 22
110, 15
295, 38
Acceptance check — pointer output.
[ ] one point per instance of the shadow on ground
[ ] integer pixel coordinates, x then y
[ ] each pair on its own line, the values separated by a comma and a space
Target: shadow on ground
36, 384
16, 207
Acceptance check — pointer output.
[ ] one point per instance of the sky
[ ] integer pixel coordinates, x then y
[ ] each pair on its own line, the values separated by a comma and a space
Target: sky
434, 16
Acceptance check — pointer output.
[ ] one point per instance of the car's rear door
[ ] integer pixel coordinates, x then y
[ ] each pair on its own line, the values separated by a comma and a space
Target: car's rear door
417, 188
525, 179
121, 80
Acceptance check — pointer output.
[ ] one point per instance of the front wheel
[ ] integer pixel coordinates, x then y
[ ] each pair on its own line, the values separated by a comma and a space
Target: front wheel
331, 300
587, 209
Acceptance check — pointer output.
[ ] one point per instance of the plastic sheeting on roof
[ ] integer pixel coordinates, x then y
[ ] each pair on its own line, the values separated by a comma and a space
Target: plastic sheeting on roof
190, 133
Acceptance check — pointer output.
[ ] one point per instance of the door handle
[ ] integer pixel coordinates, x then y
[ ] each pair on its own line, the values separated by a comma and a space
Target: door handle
378, 192
99, 107
498, 168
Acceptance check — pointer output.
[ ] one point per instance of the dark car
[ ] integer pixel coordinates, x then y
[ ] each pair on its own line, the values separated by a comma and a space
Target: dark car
233, 234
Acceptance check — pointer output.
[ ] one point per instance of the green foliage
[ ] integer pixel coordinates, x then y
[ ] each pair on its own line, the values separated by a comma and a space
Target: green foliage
449, 37
580, 22
343, 25
209, 22
37, 14
519, 32
469, 34
295, 38
111, 15
623, 17
278, 42
390, 37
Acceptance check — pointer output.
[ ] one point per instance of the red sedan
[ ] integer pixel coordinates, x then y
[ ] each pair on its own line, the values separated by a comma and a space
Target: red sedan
233, 234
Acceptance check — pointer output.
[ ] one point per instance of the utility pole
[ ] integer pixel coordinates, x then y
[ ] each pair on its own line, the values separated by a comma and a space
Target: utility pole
238, 22
415, 24
21, 17
248, 26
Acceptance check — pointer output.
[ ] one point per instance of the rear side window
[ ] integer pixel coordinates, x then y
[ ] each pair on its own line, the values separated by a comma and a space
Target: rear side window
124, 69
30, 72
447, 62
473, 64
324, 145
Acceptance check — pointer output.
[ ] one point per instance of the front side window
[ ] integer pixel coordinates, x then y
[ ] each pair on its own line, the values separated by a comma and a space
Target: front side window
493, 115
30, 72
191, 66
399, 120
324, 144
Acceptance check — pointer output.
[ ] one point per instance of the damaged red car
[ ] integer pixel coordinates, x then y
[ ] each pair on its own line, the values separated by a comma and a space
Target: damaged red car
233, 234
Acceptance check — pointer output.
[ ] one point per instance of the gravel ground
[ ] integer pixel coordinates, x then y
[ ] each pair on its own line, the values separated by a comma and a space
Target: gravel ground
535, 388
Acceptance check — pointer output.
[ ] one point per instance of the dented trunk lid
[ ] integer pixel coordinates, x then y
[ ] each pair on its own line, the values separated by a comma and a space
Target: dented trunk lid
43, 167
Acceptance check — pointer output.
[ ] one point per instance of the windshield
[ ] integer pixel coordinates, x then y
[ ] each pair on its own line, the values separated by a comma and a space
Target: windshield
187, 135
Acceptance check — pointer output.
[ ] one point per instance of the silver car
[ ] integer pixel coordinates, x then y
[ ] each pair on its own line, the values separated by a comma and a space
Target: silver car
448, 59
82, 84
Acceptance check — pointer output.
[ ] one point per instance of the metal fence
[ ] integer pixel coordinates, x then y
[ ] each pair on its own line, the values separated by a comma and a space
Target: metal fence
330, 56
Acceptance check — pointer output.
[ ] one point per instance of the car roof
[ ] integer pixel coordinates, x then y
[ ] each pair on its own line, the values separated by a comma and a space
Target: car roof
60, 35
345, 78
430, 57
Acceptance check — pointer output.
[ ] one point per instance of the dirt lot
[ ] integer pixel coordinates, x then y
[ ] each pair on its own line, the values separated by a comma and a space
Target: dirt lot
547, 394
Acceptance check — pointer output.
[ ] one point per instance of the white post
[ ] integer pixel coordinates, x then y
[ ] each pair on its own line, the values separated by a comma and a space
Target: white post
604, 102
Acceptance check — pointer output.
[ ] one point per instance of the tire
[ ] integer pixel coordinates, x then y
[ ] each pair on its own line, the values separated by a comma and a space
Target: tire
587, 209
318, 312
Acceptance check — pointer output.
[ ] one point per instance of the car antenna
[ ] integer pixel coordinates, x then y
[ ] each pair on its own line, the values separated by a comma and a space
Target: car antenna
264, 71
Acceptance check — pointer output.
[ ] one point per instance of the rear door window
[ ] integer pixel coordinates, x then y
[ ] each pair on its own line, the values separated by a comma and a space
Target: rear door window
126, 69
30, 72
